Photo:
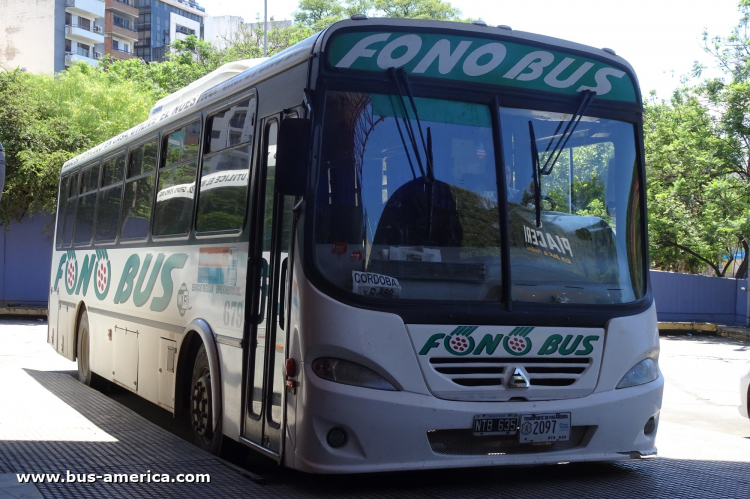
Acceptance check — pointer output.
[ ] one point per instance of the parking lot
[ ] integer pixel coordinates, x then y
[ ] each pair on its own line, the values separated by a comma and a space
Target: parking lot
50, 423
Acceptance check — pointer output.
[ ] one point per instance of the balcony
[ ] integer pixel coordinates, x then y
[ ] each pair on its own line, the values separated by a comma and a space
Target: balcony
126, 7
121, 55
86, 8
82, 56
89, 35
121, 31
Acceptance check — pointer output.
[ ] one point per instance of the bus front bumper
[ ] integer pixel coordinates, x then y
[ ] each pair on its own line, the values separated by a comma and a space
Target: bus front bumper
390, 431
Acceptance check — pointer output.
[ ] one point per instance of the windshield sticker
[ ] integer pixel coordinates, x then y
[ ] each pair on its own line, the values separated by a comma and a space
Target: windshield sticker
462, 341
414, 254
479, 60
356, 256
218, 265
554, 246
339, 249
375, 285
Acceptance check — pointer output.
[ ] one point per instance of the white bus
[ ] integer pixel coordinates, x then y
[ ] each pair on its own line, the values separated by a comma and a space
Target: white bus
396, 245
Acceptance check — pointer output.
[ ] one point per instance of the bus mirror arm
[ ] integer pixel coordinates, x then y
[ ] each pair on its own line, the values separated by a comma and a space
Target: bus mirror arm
292, 156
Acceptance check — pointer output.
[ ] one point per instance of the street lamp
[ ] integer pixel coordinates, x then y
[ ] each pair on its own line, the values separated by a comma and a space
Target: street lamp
265, 28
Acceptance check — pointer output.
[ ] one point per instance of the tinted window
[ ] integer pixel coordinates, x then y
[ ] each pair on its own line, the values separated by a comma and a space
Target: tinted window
70, 210
135, 217
136, 208
86, 205
143, 159
174, 199
61, 201
224, 178
113, 170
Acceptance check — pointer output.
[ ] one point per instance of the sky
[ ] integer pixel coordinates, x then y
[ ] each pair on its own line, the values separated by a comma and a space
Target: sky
661, 39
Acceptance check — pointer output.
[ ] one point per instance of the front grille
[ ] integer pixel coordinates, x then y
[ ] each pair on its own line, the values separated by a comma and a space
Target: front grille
465, 443
491, 371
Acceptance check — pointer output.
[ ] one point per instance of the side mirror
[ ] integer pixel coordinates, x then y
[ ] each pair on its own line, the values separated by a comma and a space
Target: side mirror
292, 156
2, 170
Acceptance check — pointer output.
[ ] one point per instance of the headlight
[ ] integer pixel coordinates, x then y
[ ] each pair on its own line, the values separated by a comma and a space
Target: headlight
349, 373
643, 372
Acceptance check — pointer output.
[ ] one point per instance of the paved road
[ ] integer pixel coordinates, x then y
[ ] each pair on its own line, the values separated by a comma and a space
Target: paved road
53, 422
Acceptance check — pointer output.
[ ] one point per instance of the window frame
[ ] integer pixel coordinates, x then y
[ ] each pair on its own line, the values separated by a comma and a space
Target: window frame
126, 153
161, 166
97, 163
220, 108
126, 180
62, 204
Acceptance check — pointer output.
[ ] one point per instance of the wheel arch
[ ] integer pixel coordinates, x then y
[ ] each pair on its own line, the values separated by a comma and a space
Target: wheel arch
196, 333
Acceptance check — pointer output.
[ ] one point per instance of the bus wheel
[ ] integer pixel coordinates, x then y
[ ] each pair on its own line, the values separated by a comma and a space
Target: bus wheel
201, 410
85, 375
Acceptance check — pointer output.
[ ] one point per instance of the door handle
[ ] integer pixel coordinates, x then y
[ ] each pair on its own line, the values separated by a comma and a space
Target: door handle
282, 294
263, 290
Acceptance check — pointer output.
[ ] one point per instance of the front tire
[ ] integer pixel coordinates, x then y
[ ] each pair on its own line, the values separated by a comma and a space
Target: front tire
201, 406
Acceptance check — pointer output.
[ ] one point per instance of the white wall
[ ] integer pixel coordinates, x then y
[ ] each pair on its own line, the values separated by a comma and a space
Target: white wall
175, 19
27, 35
218, 28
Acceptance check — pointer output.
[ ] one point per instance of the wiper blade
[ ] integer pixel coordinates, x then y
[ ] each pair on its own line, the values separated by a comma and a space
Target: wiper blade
536, 172
407, 121
588, 96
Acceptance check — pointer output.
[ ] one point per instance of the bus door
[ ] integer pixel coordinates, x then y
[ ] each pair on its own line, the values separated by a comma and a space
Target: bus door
267, 291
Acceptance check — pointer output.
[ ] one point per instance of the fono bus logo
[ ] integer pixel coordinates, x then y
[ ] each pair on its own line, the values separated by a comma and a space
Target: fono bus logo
463, 341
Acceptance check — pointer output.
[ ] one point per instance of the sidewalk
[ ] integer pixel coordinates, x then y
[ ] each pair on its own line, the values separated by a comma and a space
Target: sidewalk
51, 423
736, 332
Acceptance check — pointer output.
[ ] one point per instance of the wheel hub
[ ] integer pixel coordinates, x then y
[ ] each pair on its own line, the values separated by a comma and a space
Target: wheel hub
201, 406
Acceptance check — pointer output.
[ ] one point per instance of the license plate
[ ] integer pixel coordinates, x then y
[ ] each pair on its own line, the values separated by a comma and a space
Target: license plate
550, 427
495, 424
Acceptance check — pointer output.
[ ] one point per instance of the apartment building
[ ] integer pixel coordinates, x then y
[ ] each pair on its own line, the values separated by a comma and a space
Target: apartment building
162, 21
84, 31
120, 28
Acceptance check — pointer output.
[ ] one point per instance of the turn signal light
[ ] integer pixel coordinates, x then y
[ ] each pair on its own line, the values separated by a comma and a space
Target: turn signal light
290, 368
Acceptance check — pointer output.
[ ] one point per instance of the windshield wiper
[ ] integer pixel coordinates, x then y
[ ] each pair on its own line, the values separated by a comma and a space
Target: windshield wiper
552, 156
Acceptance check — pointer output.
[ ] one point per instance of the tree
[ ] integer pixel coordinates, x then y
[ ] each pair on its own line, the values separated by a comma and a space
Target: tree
698, 161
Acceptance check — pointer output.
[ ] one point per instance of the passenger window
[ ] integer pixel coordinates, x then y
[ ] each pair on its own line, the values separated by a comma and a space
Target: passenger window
139, 191
174, 199
70, 209
110, 198
88, 189
222, 200
62, 199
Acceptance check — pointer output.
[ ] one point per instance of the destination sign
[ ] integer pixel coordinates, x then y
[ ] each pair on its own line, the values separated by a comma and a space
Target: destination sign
480, 60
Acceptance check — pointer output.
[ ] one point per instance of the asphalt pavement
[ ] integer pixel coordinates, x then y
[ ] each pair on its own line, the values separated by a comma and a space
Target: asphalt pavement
50, 423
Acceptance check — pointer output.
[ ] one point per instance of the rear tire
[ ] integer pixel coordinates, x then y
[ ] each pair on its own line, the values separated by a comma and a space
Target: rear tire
201, 409
83, 350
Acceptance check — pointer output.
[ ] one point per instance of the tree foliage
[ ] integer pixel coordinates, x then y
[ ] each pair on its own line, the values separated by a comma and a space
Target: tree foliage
698, 163
46, 120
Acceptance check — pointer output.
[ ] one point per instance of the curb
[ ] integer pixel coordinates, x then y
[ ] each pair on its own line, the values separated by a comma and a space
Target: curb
736, 332
36, 311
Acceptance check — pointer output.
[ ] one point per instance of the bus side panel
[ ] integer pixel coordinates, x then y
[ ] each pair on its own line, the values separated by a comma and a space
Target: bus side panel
230, 359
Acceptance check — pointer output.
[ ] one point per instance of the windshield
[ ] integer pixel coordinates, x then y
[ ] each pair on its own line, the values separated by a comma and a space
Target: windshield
386, 225
409, 210
587, 246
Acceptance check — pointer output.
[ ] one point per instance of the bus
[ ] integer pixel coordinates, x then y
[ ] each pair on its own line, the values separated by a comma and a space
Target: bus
396, 245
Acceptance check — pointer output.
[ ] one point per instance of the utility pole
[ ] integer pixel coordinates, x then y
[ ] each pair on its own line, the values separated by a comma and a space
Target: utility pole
265, 28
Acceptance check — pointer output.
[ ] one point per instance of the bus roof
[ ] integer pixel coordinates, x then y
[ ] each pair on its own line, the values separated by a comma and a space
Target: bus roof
524, 46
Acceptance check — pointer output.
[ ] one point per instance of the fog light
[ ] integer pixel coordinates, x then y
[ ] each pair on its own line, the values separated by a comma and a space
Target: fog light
336, 437
650, 426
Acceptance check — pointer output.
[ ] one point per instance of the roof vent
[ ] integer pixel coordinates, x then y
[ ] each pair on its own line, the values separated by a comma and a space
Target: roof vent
609, 51
359, 17
479, 23
505, 26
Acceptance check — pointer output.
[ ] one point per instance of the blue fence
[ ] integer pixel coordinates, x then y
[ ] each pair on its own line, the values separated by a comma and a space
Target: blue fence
697, 298
25, 259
